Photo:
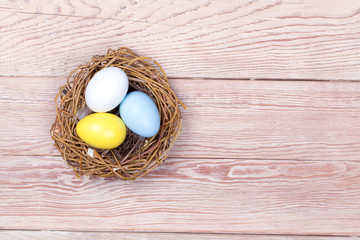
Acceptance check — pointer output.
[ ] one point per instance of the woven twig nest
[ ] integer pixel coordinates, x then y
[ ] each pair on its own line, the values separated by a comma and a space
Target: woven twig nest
136, 156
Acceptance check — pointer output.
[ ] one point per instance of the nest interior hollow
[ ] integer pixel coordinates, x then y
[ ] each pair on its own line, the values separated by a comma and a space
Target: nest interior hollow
136, 156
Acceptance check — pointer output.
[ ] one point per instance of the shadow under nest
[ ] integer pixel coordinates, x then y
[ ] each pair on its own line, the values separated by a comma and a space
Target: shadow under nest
136, 156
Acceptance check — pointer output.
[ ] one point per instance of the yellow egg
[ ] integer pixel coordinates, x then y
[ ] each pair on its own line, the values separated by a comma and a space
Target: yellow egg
102, 130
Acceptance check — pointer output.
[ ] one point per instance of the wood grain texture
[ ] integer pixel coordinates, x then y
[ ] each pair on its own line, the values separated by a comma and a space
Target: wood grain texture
204, 13
309, 39
231, 119
255, 157
185, 195
60, 235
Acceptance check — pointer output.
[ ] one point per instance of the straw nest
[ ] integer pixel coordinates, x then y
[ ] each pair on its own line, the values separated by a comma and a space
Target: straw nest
136, 156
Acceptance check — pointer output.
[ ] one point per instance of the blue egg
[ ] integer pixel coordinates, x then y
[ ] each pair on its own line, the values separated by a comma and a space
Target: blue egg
140, 114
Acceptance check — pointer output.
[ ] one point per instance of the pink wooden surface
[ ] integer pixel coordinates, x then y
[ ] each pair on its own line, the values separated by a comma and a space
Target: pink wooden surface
271, 142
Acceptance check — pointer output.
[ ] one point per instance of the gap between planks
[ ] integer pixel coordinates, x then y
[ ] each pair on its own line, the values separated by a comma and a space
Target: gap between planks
43, 234
210, 79
197, 158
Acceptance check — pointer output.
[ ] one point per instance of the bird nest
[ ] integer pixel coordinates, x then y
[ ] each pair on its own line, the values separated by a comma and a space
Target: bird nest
137, 155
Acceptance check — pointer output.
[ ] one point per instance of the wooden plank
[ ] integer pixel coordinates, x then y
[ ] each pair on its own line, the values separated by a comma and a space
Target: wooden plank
204, 39
185, 195
214, 14
229, 119
39, 235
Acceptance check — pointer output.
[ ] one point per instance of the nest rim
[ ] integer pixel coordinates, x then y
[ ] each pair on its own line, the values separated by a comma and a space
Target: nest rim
137, 155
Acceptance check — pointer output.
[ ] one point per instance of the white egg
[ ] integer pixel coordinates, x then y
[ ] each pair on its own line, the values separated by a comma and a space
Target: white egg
106, 89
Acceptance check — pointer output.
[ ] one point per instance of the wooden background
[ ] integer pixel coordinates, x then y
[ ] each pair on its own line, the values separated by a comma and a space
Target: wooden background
270, 147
